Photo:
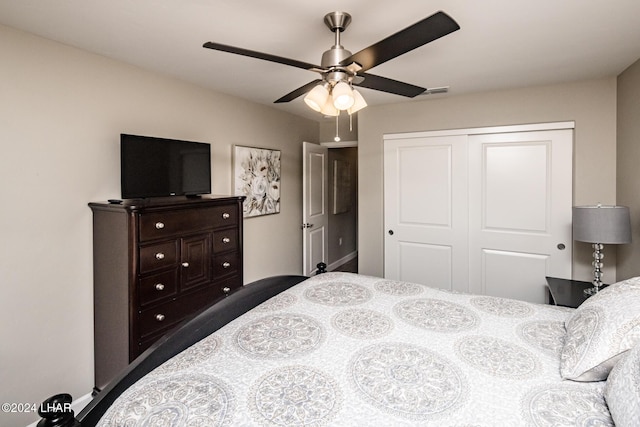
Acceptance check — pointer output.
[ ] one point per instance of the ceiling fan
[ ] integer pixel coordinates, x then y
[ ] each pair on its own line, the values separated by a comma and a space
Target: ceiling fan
340, 70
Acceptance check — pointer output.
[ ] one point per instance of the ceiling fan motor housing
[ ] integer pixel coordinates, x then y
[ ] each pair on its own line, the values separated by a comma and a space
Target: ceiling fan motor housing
336, 74
333, 56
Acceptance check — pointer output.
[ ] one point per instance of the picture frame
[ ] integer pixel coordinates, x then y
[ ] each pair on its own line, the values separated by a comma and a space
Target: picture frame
257, 175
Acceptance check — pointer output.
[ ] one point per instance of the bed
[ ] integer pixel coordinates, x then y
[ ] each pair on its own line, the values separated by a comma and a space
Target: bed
342, 349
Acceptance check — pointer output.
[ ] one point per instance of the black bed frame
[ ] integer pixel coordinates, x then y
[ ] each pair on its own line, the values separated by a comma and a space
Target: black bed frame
56, 411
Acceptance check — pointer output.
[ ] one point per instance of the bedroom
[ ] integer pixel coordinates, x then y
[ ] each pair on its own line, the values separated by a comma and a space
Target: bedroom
63, 108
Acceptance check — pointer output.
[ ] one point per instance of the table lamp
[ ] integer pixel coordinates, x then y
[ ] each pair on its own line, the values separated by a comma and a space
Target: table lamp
600, 225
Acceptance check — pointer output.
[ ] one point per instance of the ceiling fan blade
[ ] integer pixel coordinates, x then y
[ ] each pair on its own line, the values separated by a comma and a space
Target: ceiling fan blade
260, 55
429, 29
371, 81
296, 93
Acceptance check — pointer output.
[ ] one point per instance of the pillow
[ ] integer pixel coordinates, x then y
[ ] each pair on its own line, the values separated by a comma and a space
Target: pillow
600, 330
622, 392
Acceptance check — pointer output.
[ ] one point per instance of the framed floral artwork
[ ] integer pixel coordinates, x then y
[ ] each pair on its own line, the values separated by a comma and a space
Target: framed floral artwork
257, 177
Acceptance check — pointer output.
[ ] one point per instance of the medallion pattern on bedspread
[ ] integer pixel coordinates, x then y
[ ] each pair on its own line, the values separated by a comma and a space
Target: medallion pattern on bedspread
192, 356
502, 306
497, 357
295, 396
544, 335
351, 350
177, 400
394, 287
279, 336
566, 405
338, 294
278, 302
408, 380
362, 323
436, 315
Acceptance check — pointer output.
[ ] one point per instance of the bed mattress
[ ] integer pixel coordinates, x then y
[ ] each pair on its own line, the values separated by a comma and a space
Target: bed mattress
341, 349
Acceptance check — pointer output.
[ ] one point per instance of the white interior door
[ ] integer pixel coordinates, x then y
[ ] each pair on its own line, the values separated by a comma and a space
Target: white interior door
426, 213
520, 212
486, 211
315, 217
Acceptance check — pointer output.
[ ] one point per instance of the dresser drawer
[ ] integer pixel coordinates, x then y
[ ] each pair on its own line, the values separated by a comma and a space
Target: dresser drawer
158, 256
229, 286
226, 264
156, 225
163, 316
156, 287
225, 240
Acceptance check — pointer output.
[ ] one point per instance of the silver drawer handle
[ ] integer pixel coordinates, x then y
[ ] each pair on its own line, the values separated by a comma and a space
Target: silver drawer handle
226, 240
226, 216
185, 264
226, 289
159, 256
159, 225
159, 317
159, 287
226, 265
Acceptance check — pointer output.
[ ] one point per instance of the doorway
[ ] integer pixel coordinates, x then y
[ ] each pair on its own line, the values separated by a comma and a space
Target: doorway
330, 207
343, 209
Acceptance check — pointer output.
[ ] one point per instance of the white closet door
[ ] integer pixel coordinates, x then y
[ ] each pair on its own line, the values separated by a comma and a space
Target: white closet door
425, 191
520, 198
486, 211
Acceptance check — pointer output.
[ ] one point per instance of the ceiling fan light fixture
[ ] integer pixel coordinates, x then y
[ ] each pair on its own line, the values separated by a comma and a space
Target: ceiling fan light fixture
342, 95
328, 109
317, 97
358, 104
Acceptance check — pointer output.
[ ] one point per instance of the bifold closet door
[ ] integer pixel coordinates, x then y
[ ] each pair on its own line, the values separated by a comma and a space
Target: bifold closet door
483, 213
426, 213
520, 202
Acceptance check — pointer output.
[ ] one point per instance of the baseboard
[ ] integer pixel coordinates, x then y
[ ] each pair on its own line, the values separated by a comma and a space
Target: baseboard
342, 260
77, 405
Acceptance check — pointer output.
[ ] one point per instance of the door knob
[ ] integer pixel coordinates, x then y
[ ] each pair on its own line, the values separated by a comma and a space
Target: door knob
561, 246
307, 225
390, 232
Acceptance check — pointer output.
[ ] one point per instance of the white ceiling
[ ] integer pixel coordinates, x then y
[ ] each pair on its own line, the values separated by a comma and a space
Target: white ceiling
501, 43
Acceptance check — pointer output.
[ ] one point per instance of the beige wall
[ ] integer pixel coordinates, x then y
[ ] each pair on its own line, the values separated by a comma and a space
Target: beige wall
347, 130
591, 104
628, 170
61, 114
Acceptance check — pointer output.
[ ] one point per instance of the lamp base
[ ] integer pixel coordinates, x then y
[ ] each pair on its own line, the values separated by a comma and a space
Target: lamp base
591, 291
597, 270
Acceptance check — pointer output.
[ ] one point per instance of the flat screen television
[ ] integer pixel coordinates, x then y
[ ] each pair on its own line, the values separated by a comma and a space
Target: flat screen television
159, 167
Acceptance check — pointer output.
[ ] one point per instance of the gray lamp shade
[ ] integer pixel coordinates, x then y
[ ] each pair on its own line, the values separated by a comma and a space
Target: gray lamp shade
602, 224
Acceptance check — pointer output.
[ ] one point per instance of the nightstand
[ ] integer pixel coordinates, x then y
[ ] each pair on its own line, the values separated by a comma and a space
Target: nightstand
567, 293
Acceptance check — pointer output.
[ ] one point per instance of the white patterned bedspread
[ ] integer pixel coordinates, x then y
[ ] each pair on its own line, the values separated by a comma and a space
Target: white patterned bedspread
349, 350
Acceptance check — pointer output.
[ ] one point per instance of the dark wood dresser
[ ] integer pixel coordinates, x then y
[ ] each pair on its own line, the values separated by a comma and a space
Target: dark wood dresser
156, 262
